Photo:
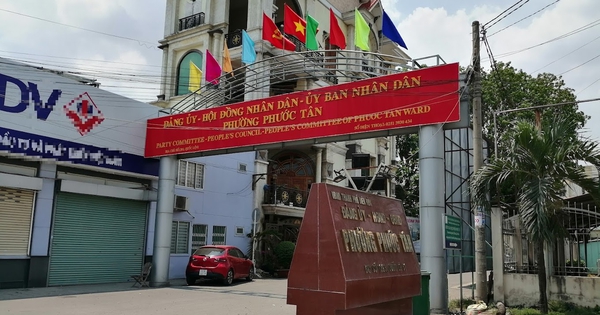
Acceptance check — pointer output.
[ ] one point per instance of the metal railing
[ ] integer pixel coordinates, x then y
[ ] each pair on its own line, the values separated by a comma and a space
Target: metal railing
336, 66
574, 254
191, 21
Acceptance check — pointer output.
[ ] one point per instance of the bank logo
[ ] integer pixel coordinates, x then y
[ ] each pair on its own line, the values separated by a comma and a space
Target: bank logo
83, 113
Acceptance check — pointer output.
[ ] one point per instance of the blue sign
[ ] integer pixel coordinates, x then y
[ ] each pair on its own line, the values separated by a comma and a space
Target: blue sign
60, 150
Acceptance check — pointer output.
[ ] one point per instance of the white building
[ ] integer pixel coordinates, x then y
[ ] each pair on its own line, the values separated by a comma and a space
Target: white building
281, 176
76, 194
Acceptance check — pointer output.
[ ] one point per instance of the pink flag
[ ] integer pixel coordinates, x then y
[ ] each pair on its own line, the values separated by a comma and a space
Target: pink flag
213, 70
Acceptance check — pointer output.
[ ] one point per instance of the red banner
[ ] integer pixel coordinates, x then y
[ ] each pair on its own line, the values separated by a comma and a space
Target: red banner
420, 97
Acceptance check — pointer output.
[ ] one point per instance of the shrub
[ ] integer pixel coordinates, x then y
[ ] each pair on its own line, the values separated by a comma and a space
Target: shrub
454, 305
284, 252
525, 311
560, 306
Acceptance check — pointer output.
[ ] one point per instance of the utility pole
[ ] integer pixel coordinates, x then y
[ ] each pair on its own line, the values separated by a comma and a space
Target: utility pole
480, 259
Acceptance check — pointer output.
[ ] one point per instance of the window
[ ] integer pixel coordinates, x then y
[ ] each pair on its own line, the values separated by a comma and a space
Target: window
190, 174
218, 235
199, 235
189, 73
180, 235
236, 253
242, 167
239, 231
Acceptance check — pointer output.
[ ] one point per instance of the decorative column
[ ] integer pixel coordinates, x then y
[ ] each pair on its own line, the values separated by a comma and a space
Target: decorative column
432, 207
319, 166
167, 175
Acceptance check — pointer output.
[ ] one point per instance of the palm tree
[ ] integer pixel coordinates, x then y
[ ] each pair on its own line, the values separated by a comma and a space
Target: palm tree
543, 159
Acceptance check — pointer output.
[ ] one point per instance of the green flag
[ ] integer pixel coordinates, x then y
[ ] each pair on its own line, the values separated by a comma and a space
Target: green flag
361, 31
311, 33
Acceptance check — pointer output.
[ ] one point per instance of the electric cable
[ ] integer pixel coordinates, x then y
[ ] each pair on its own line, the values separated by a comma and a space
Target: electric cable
507, 15
582, 64
140, 42
587, 87
565, 35
576, 49
521, 20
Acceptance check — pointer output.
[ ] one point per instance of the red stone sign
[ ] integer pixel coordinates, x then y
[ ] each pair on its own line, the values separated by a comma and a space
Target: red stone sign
354, 255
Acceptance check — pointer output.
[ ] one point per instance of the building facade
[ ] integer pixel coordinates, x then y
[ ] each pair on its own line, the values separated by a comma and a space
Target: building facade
282, 176
76, 194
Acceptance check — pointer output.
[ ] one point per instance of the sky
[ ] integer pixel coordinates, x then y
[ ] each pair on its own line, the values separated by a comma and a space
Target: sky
116, 41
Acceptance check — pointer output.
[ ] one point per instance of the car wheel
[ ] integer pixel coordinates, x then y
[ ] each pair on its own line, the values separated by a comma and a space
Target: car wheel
229, 278
250, 275
190, 281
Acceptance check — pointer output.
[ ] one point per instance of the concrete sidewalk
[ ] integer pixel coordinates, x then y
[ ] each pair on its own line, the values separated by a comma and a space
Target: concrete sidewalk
264, 296
259, 297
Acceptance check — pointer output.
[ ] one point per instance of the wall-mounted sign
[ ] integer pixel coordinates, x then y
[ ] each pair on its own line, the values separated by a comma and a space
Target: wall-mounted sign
421, 97
47, 115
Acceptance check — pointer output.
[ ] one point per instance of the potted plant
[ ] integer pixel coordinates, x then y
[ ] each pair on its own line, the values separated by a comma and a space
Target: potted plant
284, 252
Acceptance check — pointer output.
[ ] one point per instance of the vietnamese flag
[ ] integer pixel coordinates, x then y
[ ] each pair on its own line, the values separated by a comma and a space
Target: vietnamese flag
272, 34
293, 24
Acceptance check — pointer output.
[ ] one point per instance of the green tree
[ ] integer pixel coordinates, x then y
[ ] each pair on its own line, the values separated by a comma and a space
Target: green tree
407, 175
542, 159
506, 87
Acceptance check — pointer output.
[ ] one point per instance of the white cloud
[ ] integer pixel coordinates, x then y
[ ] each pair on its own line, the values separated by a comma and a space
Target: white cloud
429, 27
435, 30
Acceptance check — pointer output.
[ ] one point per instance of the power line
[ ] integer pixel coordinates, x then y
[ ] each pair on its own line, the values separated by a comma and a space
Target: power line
547, 105
140, 42
521, 20
580, 65
576, 49
80, 59
501, 13
565, 35
509, 13
587, 87
493, 63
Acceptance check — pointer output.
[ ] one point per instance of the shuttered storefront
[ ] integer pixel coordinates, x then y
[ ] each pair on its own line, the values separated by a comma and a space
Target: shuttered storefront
96, 239
16, 209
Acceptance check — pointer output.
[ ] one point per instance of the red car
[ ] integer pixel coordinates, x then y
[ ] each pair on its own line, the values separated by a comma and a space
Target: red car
221, 262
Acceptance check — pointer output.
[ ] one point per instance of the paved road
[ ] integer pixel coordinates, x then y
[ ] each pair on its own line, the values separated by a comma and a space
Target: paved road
261, 296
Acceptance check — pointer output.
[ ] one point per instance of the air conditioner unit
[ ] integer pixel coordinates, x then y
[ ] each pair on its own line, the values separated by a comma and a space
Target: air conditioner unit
181, 203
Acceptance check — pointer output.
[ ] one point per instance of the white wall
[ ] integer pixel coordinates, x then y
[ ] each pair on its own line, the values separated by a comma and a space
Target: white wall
522, 289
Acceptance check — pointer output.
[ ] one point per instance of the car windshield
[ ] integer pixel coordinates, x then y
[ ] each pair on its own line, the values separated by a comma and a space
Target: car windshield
209, 251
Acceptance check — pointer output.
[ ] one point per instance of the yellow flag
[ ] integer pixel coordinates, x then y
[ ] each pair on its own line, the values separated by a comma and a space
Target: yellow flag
227, 60
195, 78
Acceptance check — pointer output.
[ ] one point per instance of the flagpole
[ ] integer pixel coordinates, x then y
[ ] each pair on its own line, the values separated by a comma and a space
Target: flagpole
262, 44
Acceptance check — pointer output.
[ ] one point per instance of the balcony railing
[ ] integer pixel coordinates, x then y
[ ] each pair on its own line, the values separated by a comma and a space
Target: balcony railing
191, 21
285, 195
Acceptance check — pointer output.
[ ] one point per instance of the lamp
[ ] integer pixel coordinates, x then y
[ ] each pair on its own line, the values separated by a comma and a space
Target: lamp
338, 176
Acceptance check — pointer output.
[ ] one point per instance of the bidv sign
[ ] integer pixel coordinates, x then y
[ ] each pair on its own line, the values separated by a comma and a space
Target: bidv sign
82, 111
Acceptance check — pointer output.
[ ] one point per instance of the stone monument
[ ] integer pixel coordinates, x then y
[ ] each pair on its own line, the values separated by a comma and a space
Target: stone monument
354, 255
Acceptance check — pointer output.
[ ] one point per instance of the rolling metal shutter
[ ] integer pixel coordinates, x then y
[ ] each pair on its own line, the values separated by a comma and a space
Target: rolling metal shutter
16, 208
96, 239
